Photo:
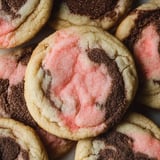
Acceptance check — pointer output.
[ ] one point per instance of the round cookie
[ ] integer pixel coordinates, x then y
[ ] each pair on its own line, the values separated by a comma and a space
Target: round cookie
13, 64
103, 13
140, 31
79, 82
134, 139
19, 142
19, 18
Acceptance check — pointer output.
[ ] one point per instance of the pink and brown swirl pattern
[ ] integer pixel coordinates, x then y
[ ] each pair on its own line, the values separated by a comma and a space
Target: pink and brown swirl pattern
143, 39
80, 82
129, 140
102, 13
19, 142
12, 102
18, 19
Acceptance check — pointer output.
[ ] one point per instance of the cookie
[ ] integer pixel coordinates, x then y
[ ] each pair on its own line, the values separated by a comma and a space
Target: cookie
12, 103
103, 13
134, 139
19, 18
154, 1
19, 142
140, 31
79, 82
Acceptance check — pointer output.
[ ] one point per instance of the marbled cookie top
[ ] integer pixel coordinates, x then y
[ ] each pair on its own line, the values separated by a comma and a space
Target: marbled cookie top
147, 29
83, 81
12, 101
11, 8
19, 142
130, 140
140, 31
12, 70
118, 146
13, 14
80, 90
16, 18
102, 13
9, 149
93, 9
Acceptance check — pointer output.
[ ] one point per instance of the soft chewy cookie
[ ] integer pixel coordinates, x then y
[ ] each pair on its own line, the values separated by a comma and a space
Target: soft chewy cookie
102, 13
140, 31
20, 20
19, 142
12, 103
79, 82
135, 139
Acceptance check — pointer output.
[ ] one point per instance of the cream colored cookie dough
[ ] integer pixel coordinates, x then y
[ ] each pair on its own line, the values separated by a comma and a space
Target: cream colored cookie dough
28, 143
76, 106
65, 17
144, 123
22, 20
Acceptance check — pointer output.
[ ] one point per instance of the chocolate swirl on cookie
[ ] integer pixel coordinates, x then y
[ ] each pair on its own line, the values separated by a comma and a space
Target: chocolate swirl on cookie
10, 149
12, 100
144, 19
94, 9
119, 147
13, 104
11, 7
116, 98
82, 83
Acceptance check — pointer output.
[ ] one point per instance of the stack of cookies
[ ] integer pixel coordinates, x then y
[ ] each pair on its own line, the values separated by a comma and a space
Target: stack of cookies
72, 74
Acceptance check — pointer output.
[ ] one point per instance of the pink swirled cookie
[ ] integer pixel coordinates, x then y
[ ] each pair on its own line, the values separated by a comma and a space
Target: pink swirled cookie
18, 19
12, 103
19, 142
79, 82
140, 31
135, 139
102, 13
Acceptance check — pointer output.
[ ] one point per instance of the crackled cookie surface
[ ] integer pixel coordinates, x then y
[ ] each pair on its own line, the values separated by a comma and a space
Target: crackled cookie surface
19, 142
80, 81
19, 18
12, 103
143, 38
102, 13
129, 141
